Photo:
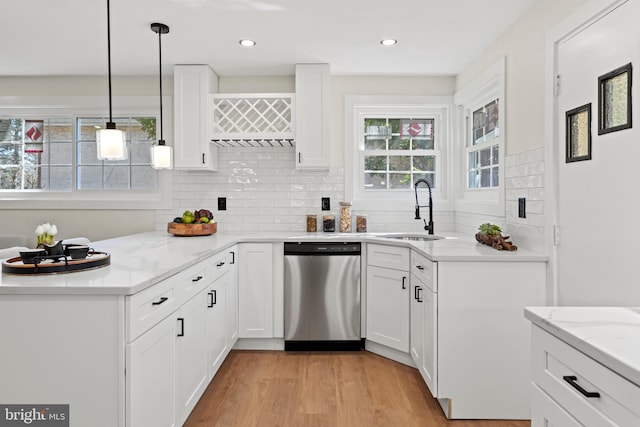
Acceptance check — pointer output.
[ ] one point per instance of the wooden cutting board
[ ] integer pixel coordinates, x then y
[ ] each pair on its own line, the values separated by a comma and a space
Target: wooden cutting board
178, 229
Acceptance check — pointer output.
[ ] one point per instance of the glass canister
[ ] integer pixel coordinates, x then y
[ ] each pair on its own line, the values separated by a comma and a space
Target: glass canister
312, 223
328, 223
345, 217
361, 223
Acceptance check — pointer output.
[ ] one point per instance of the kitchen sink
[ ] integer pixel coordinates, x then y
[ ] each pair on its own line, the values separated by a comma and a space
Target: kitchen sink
411, 236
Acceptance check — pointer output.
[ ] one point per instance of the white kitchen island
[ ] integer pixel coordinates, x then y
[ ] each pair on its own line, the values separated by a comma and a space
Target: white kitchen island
90, 338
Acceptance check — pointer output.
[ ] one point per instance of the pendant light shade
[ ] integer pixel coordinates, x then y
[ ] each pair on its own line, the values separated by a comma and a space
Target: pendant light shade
111, 142
161, 154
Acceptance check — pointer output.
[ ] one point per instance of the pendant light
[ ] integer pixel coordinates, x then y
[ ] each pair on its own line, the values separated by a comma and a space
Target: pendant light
111, 142
161, 154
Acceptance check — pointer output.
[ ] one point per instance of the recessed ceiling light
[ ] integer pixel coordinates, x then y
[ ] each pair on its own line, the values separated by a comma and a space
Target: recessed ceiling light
247, 43
388, 42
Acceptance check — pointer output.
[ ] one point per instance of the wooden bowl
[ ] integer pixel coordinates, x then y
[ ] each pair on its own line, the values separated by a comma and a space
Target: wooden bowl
178, 229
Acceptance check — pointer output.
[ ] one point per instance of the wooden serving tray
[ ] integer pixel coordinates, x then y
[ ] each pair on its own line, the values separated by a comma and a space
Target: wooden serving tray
178, 229
56, 264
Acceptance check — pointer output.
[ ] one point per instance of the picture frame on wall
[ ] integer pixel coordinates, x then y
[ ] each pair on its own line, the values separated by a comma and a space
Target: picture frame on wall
578, 134
614, 100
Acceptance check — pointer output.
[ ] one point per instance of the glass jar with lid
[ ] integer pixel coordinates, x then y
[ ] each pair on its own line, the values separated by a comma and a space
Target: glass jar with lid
345, 217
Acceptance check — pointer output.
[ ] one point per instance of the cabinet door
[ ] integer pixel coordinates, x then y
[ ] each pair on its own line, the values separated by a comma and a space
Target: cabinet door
150, 378
417, 322
429, 366
192, 148
545, 412
313, 96
191, 353
216, 324
255, 285
232, 298
388, 307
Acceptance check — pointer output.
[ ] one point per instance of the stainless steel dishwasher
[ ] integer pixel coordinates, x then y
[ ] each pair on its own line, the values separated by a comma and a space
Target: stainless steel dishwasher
322, 296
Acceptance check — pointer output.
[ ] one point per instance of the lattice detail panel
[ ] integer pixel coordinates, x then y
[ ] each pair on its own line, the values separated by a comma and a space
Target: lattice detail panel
252, 117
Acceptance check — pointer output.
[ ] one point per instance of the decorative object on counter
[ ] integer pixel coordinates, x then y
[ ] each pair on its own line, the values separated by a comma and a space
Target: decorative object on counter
361, 223
490, 234
46, 233
111, 142
161, 154
28, 255
312, 223
328, 223
57, 264
193, 223
53, 250
345, 217
77, 251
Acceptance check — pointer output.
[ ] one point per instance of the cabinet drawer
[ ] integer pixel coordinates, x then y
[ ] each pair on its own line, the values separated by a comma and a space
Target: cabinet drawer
388, 256
148, 307
193, 279
557, 364
220, 264
425, 270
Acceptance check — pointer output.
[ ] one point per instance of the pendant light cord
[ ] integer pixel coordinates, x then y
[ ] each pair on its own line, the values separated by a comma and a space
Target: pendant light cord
109, 56
160, 74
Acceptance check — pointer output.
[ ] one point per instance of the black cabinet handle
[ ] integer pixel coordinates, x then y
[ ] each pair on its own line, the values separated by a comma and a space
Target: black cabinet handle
203, 162
418, 294
181, 320
299, 157
404, 282
162, 300
233, 257
572, 380
197, 279
419, 267
415, 292
220, 264
213, 298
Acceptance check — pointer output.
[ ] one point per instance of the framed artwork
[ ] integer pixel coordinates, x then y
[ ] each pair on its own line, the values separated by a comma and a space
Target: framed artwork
579, 134
614, 100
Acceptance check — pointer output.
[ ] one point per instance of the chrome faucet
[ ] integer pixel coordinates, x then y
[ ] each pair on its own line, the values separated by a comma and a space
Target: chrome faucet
429, 226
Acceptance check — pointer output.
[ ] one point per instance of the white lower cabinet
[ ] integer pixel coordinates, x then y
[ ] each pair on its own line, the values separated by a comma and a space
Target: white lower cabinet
216, 322
388, 292
569, 385
255, 286
232, 297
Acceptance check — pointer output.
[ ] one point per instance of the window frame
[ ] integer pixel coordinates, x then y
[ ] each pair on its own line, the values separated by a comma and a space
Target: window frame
485, 88
89, 106
359, 107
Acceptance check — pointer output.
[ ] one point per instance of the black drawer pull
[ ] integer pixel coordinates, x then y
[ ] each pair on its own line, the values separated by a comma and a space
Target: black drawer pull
404, 282
571, 379
162, 300
197, 279
233, 257
220, 264
419, 267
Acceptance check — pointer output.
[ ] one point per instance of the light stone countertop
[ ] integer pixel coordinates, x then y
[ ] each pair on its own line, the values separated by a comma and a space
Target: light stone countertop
141, 260
609, 335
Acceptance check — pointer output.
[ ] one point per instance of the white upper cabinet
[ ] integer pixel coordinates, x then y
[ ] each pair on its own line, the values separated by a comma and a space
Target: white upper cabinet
192, 85
313, 96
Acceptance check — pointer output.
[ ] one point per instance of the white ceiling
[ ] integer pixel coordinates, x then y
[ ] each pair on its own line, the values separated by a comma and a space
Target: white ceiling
69, 37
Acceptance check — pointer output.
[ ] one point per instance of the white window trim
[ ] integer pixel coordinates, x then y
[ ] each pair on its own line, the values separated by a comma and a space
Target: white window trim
485, 88
91, 106
359, 106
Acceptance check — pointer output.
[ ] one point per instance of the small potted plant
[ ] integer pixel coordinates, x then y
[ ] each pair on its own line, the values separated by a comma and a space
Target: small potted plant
491, 234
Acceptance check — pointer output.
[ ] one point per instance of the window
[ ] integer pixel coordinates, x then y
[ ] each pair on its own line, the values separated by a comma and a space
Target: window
48, 154
397, 152
483, 148
391, 142
59, 154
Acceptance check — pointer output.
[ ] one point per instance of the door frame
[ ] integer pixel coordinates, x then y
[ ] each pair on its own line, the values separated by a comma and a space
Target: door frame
582, 18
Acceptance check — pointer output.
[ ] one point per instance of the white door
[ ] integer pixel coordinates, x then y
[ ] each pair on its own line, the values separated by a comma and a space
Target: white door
598, 199
255, 290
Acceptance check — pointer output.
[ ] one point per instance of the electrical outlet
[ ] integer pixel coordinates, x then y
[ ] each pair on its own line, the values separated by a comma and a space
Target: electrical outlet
522, 207
326, 204
222, 203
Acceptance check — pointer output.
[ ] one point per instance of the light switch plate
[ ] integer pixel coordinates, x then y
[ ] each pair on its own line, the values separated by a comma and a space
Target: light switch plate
522, 207
326, 204
222, 203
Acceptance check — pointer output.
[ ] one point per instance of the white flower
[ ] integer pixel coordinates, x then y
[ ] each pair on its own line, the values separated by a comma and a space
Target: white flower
53, 230
39, 230
46, 227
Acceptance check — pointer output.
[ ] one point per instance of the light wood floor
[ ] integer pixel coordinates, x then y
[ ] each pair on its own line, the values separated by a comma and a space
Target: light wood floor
350, 389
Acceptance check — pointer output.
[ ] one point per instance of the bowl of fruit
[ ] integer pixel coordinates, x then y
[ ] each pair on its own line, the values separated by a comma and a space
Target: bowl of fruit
193, 223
